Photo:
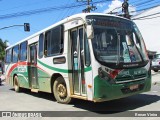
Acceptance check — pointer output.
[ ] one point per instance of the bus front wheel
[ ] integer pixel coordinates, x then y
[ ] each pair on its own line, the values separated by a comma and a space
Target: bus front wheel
16, 84
60, 91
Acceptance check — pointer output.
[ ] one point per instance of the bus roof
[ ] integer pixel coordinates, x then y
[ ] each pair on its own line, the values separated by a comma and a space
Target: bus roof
80, 15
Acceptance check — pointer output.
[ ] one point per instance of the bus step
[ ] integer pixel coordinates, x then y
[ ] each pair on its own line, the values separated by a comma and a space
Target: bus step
34, 90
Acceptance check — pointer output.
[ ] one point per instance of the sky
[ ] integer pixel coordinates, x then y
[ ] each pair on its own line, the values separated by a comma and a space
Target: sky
40, 21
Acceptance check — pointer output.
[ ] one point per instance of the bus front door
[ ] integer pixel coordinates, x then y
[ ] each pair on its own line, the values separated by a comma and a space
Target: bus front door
77, 58
33, 67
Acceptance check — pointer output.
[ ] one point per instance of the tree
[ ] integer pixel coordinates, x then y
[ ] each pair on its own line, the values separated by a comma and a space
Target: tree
3, 46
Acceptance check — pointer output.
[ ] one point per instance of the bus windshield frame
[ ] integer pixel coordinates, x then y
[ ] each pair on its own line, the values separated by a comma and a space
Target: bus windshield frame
117, 42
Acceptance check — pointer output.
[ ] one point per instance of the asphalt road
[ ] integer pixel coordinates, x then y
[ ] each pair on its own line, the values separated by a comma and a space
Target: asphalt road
27, 101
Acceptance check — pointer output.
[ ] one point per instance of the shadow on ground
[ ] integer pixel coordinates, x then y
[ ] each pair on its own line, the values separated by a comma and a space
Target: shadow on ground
43, 95
103, 108
119, 105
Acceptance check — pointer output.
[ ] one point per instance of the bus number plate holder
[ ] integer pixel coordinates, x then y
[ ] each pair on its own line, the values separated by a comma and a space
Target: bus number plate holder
133, 87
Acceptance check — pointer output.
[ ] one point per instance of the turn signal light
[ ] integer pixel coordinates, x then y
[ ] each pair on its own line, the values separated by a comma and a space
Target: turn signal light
89, 86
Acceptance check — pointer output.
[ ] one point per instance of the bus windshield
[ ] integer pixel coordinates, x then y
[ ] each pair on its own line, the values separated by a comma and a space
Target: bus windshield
117, 40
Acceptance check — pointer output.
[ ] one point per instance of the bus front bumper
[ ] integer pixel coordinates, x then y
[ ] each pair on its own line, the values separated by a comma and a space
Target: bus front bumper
104, 91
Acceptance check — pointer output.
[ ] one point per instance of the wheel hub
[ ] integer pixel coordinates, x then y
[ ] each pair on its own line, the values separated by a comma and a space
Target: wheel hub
62, 92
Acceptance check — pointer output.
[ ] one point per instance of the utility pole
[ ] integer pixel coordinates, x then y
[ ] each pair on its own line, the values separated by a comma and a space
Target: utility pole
125, 6
89, 8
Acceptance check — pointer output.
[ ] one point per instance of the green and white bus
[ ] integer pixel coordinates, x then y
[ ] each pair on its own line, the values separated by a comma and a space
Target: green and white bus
90, 56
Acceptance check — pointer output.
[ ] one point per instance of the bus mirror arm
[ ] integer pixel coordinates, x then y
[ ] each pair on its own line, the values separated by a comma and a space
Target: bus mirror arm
90, 32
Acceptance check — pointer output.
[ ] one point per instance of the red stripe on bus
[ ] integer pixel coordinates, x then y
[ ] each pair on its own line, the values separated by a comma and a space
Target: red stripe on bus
15, 65
25, 64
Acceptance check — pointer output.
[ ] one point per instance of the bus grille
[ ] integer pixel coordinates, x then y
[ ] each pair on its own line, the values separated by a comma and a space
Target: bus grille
126, 79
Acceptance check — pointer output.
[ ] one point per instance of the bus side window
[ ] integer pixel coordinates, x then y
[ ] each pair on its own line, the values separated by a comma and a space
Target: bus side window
57, 40
47, 42
15, 52
40, 51
8, 55
23, 51
54, 41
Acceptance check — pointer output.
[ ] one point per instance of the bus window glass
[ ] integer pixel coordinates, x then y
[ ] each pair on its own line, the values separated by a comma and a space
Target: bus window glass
15, 53
40, 46
157, 56
48, 42
23, 51
54, 40
117, 41
81, 38
86, 49
8, 56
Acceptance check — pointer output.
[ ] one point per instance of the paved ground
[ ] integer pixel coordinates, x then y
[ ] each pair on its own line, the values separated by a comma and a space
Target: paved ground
27, 101
155, 77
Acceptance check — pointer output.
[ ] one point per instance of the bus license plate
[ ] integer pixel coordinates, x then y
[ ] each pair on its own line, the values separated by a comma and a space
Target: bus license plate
133, 87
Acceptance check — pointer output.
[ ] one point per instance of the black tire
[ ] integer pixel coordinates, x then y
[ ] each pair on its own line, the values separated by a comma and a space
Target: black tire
155, 70
60, 91
16, 84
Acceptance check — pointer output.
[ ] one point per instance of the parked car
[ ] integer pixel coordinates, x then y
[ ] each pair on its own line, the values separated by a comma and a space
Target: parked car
156, 63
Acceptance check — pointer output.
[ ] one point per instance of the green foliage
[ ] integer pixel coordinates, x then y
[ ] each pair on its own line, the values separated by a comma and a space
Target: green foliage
3, 46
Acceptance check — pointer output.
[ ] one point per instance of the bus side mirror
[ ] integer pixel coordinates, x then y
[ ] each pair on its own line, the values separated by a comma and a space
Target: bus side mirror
90, 32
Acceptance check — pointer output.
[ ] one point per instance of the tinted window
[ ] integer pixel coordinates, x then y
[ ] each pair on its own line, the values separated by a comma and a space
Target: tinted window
23, 51
48, 42
15, 53
40, 46
87, 53
8, 56
74, 39
157, 56
54, 41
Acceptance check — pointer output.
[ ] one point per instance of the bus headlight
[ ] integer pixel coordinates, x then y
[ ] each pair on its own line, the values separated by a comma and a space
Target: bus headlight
105, 76
100, 73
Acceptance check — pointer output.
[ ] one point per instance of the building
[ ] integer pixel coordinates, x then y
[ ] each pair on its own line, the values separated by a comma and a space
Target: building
148, 23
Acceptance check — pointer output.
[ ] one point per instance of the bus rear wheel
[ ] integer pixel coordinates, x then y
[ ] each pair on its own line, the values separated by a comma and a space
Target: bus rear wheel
16, 84
60, 91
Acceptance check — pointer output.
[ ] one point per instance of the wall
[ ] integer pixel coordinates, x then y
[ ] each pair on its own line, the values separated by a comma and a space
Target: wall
150, 28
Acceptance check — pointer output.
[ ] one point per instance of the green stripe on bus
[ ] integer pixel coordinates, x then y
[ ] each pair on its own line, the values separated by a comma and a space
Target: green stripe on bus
87, 69
55, 69
61, 70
